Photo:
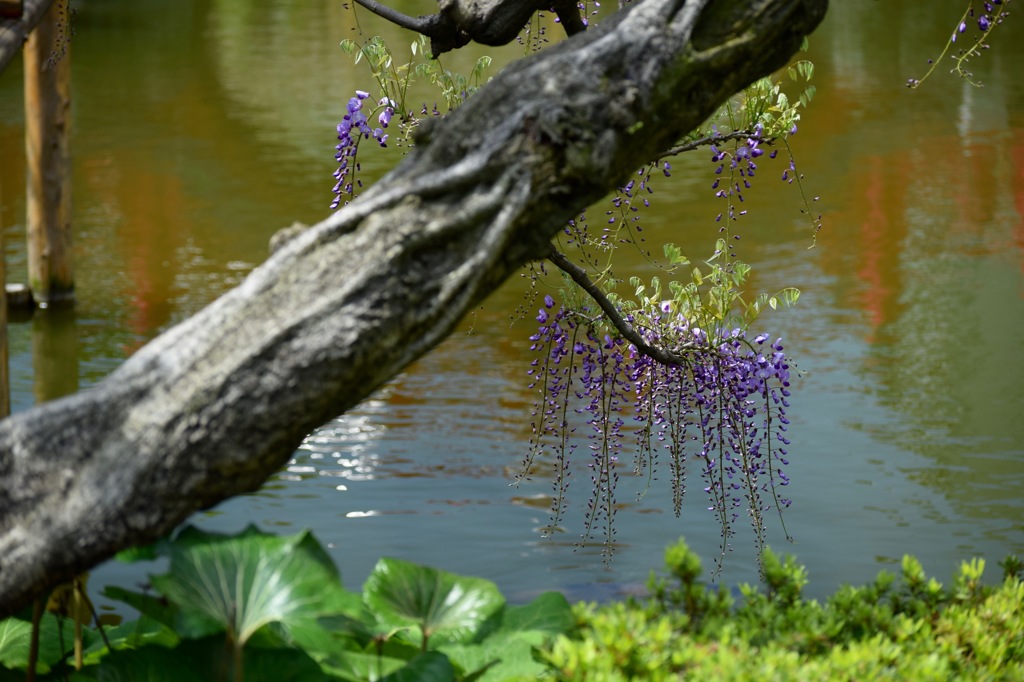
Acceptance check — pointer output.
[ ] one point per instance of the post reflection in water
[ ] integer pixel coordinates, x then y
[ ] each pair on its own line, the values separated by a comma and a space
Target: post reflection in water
54, 353
200, 128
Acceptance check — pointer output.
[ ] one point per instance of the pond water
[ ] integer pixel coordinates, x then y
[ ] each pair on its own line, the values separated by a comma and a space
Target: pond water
201, 127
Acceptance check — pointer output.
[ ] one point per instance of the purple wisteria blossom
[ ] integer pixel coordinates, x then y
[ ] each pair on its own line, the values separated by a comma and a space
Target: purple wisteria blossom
721, 413
742, 167
354, 127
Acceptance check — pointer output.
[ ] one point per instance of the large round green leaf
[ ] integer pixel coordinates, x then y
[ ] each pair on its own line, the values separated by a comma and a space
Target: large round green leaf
354, 666
549, 614
240, 583
496, 660
444, 606
506, 651
427, 667
14, 643
15, 638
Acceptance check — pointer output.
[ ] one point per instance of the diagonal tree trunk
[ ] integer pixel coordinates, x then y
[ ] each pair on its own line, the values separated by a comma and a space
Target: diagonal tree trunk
214, 406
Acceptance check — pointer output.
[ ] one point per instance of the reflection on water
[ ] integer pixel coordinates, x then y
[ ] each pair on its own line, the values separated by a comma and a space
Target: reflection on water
932, 255
200, 128
341, 449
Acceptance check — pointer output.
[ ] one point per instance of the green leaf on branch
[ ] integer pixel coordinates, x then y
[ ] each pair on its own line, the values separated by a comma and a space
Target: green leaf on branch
674, 256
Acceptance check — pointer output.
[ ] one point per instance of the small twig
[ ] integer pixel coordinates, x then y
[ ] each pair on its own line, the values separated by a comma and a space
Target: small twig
579, 275
99, 625
714, 139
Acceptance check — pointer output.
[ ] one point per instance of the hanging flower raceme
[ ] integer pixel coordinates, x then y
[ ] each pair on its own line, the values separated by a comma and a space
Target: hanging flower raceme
722, 411
354, 127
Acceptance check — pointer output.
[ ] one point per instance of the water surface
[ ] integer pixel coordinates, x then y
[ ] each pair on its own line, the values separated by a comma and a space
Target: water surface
200, 128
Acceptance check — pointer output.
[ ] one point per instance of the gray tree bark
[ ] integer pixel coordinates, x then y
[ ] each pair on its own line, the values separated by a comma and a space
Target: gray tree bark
215, 405
489, 22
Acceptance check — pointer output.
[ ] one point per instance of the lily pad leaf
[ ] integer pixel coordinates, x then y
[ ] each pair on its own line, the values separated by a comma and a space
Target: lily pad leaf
135, 554
429, 666
150, 664
242, 582
353, 666
444, 606
549, 613
14, 643
15, 636
497, 659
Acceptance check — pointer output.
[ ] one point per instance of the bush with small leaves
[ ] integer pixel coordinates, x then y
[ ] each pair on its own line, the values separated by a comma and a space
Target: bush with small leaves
884, 630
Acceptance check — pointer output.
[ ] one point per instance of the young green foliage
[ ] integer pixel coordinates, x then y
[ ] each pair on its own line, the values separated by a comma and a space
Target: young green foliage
893, 628
888, 629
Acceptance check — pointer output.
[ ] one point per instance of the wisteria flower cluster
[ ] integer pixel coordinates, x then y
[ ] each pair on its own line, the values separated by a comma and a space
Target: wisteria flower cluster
394, 79
354, 127
993, 15
722, 410
742, 167
625, 209
986, 20
735, 169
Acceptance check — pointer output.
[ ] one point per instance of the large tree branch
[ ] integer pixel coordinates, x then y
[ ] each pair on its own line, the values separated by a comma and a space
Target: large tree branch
214, 406
489, 22
444, 34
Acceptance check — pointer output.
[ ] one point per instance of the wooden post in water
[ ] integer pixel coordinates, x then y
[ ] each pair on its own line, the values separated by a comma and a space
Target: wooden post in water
47, 123
9, 9
5, 384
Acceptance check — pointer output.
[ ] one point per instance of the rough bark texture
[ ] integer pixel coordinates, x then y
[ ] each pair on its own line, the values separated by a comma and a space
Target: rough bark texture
489, 22
212, 407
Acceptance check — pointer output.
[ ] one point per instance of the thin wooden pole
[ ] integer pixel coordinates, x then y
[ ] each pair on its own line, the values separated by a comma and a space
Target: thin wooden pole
5, 385
47, 123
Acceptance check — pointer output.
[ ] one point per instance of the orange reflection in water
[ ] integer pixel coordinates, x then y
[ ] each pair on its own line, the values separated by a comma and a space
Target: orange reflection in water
878, 240
152, 227
968, 199
1017, 154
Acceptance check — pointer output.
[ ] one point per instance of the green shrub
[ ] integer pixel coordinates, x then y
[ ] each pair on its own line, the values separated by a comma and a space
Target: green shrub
912, 628
260, 607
